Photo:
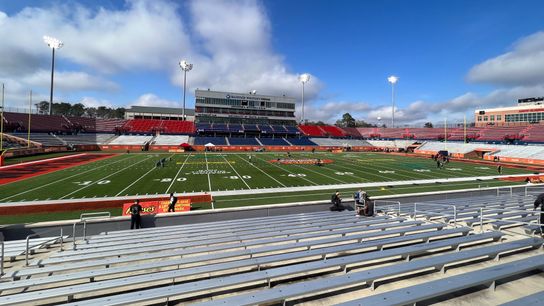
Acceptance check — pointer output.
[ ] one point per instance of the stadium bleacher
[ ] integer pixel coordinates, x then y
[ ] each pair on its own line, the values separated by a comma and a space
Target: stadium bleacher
203, 140
86, 139
42, 138
274, 259
534, 133
312, 130
131, 140
273, 141
302, 141
242, 141
171, 140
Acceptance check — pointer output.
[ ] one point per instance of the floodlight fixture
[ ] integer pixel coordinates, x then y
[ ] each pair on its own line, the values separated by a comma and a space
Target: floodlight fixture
54, 44
253, 92
185, 66
303, 78
392, 79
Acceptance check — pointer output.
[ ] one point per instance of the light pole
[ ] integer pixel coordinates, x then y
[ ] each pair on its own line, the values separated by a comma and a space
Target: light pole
53, 43
303, 78
185, 66
393, 80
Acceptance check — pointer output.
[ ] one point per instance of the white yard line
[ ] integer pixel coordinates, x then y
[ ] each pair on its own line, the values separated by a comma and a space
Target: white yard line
261, 171
177, 174
235, 171
273, 164
141, 177
101, 179
208, 172
63, 179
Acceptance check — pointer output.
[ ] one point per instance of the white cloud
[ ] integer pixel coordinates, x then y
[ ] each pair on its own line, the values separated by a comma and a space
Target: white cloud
93, 102
150, 99
69, 81
524, 65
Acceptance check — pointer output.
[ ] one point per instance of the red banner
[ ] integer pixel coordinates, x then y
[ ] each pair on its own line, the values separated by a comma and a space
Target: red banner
157, 207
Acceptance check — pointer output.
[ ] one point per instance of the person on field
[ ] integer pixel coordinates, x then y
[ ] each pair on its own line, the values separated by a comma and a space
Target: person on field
250, 159
499, 169
539, 202
172, 203
135, 218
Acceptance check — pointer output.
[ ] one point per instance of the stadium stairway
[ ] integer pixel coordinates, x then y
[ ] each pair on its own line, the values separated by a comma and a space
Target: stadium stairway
308, 256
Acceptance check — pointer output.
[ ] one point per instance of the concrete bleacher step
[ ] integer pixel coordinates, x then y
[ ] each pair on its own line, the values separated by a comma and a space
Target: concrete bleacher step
369, 277
379, 243
246, 236
452, 284
536, 299
260, 261
305, 288
245, 278
264, 239
225, 231
15, 248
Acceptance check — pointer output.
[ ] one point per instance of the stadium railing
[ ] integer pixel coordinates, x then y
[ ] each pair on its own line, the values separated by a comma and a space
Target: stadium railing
386, 206
440, 213
514, 211
505, 190
534, 190
83, 218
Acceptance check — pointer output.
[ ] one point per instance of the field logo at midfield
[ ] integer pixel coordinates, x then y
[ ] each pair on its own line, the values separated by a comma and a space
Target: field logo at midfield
209, 171
300, 161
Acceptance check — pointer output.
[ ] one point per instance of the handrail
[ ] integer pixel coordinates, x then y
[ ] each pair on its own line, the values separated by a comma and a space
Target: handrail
540, 187
2, 259
437, 213
391, 203
508, 189
84, 217
531, 212
26, 249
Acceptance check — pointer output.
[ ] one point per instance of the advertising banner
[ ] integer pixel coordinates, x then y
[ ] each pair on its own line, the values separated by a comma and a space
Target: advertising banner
157, 207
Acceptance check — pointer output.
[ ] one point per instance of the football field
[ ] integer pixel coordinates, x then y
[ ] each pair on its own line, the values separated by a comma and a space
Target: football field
138, 174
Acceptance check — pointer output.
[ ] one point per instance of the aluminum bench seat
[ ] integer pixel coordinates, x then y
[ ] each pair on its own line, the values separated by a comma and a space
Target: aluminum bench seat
452, 284
379, 243
493, 218
220, 224
244, 278
15, 248
535, 299
264, 240
285, 231
283, 292
512, 222
263, 260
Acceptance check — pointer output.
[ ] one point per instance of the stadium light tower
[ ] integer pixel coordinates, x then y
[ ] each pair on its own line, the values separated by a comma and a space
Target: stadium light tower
303, 78
185, 66
54, 44
393, 80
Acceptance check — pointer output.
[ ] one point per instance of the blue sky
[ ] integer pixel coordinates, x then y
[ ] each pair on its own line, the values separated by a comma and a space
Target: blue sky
451, 56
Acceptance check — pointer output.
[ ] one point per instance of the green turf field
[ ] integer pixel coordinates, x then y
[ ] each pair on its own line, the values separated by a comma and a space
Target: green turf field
136, 174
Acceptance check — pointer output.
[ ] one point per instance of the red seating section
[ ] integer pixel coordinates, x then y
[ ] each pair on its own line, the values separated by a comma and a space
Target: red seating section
312, 130
165, 126
534, 133
333, 131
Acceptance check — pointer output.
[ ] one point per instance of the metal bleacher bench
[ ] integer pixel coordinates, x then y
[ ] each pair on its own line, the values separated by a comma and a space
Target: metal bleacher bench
15, 248
379, 243
370, 276
245, 235
536, 299
263, 276
437, 288
261, 260
255, 240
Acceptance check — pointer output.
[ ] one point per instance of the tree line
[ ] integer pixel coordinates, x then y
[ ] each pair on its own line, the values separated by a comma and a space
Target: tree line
80, 110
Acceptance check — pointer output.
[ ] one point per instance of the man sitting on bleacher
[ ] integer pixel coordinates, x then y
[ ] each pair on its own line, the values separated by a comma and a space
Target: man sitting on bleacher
540, 202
